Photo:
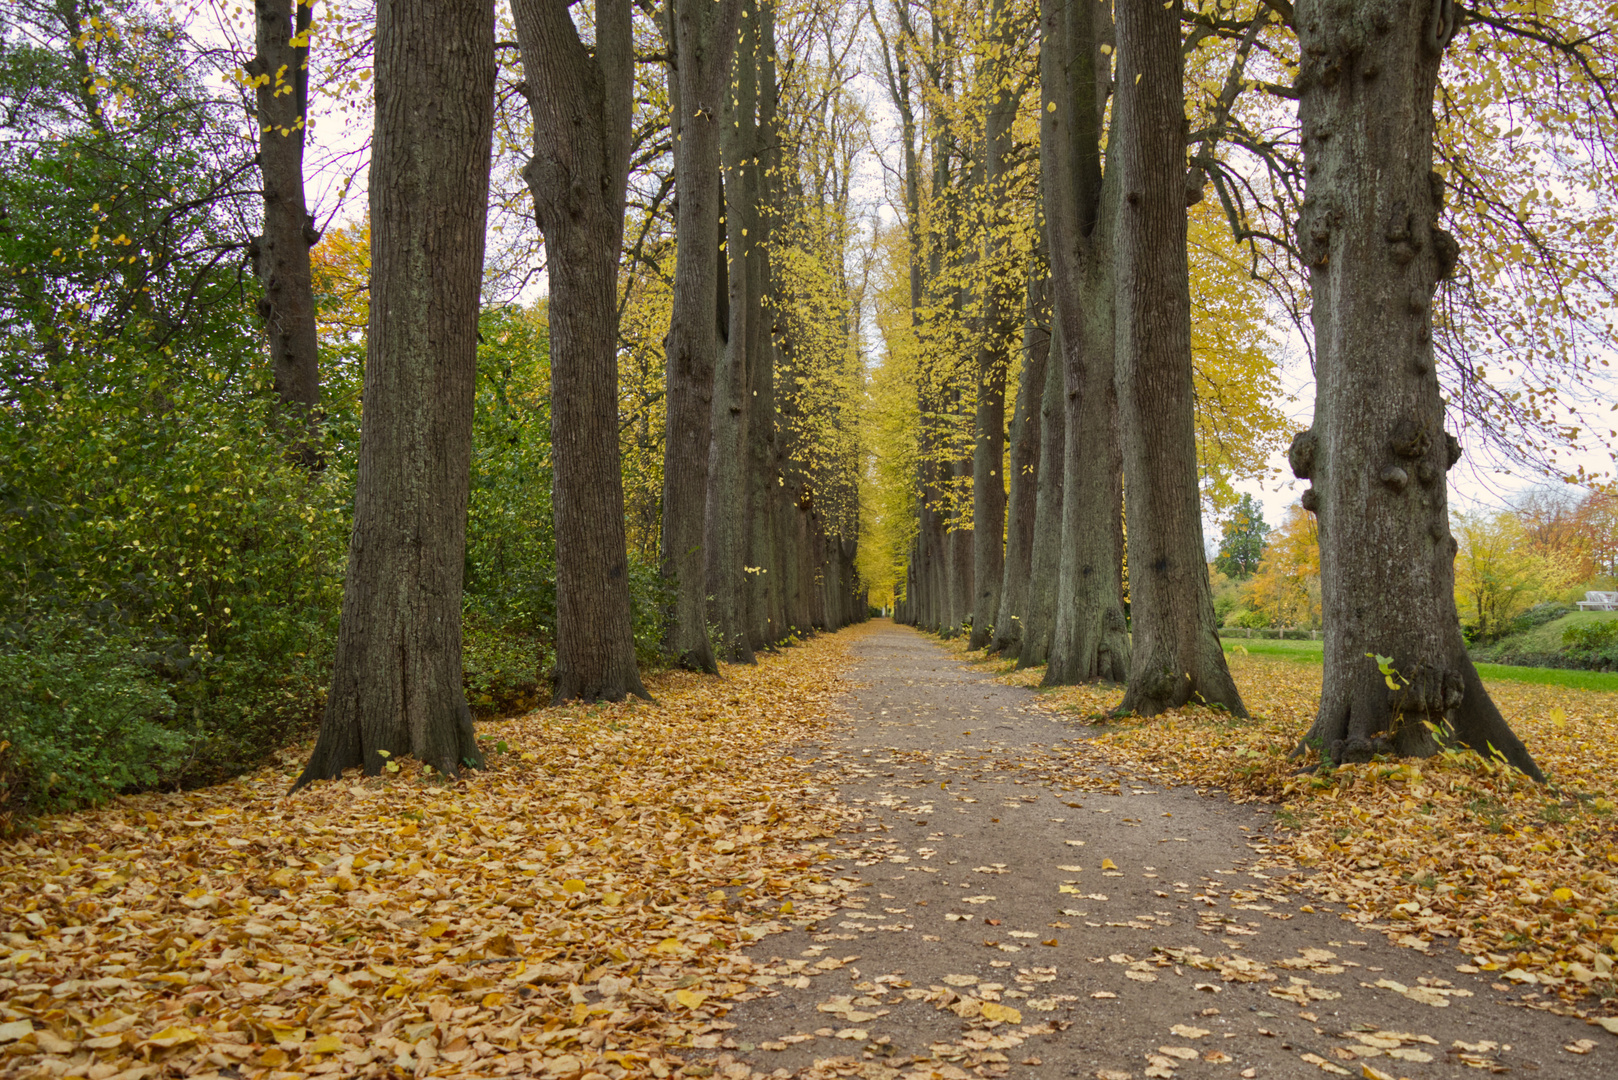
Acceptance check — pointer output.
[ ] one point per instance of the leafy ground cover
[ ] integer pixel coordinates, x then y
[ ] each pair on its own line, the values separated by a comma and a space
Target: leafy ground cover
1311, 652
1519, 876
570, 912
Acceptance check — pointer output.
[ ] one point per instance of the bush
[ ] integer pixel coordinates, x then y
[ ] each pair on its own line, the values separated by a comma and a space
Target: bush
1248, 619
84, 718
1539, 615
1592, 644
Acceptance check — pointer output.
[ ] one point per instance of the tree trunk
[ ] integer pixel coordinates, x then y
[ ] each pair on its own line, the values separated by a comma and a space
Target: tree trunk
1045, 553
281, 254
1378, 452
958, 570
764, 487
1088, 636
1177, 657
581, 98
396, 687
726, 528
994, 354
1024, 466
702, 35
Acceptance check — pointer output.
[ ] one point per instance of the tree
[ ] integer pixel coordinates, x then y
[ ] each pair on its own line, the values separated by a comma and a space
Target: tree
1597, 519
1377, 453
999, 320
1176, 654
1023, 464
396, 686
1242, 543
1285, 586
1500, 570
731, 472
581, 99
280, 76
1089, 637
701, 37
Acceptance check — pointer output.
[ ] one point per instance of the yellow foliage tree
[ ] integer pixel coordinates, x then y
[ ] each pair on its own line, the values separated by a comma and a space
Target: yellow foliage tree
1286, 589
1500, 572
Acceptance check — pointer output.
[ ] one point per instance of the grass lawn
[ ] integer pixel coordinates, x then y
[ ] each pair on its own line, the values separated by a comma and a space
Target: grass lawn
1309, 652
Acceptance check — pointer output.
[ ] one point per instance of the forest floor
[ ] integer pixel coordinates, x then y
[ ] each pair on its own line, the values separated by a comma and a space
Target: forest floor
866, 856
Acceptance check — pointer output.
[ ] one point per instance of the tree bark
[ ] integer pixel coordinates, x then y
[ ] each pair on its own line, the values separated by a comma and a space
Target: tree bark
764, 488
702, 35
1378, 453
729, 596
1088, 634
581, 99
994, 353
396, 688
281, 255
1177, 657
1024, 466
1045, 553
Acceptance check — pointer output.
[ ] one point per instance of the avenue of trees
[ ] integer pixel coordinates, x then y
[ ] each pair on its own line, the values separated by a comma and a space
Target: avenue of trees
1422, 189
648, 378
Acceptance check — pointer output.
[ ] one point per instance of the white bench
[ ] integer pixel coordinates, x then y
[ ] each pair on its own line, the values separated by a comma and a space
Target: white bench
1599, 601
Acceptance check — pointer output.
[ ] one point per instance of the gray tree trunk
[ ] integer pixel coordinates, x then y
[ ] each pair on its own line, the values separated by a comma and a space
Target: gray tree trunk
994, 355
581, 100
1177, 657
1045, 553
702, 36
1088, 635
764, 489
396, 686
1024, 466
726, 528
281, 254
1378, 453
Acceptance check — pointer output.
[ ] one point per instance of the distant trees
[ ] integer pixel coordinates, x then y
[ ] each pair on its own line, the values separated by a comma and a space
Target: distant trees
1284, 588
1500, 570
1243, 536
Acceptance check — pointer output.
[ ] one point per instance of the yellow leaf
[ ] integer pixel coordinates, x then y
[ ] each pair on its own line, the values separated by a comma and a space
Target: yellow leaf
993, 1010
288, 1035
437, 929
1108, 864
573, 885
1562, 895
667, 945
1558, 717
690, 998
326, 1044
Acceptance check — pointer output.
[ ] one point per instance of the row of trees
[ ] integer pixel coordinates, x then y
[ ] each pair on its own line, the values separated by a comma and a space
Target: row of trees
186, 352
1314, 130
740, 548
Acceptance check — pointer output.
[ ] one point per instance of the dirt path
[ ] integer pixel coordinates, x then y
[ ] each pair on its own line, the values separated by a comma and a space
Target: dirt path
1004, 916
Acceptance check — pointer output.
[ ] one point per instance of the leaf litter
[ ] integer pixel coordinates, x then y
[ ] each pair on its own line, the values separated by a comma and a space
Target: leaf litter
1522, 878
576, 911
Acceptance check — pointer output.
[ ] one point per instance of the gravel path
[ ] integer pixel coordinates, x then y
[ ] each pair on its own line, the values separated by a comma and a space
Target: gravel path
1012, 906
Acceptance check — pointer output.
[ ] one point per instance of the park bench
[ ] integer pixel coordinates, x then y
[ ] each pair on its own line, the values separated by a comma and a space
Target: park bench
1599, 601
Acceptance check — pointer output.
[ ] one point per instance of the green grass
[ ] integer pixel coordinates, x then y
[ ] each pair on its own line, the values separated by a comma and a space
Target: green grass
1310, 652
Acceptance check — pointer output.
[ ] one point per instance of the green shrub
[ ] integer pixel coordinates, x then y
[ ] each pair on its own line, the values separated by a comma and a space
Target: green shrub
1539, 615
84, 718
1591, 636
1248, 619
